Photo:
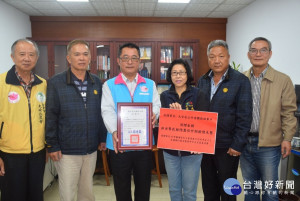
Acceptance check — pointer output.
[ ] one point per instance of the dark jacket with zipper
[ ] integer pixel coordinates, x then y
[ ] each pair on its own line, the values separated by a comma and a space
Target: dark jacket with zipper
192, 98
233, 103
72, 126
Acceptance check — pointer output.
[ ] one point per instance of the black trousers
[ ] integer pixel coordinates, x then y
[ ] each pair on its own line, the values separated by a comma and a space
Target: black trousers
23, 179
138, 163
215, 170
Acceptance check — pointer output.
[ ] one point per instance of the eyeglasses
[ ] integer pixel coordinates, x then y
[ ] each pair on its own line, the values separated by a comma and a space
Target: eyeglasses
261, 51
180, 73
133, 59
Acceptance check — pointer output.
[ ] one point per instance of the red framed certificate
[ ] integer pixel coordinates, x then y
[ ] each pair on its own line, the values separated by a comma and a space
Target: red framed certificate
134, 126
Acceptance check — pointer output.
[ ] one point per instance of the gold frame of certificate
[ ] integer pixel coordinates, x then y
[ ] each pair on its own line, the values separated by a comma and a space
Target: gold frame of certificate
135, 126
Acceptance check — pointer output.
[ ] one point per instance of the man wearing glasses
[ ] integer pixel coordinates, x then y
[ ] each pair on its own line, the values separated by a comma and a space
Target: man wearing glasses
273, 122
128, 86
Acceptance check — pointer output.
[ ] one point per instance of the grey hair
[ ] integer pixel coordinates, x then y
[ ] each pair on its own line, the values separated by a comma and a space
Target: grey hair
217, 43
13, 47
261, 38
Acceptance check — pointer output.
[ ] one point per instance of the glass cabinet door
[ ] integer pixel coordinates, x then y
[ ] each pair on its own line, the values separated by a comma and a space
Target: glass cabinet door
60, 58
155, 57
103, 61
146, 61
52, 59
166, 57
186, 52
41, 68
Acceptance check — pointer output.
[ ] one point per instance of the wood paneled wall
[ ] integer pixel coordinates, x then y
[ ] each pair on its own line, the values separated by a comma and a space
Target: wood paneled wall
203, 29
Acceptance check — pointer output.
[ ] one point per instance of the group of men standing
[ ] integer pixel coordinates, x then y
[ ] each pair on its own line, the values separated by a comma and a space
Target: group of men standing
256, 121
77, 115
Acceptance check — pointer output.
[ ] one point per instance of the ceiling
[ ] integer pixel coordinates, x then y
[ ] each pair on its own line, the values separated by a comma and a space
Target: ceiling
134, 8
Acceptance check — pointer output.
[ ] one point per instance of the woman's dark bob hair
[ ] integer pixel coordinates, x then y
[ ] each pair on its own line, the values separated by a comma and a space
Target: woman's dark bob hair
187, 68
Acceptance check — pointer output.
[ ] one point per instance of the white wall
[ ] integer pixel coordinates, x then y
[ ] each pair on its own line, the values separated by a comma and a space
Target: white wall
278, 21
14, 25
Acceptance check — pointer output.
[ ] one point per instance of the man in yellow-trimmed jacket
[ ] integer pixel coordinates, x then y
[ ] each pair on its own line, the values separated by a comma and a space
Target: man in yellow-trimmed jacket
22, 126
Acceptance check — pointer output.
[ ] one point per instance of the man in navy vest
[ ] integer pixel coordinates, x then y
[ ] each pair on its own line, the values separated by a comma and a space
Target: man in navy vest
128, 86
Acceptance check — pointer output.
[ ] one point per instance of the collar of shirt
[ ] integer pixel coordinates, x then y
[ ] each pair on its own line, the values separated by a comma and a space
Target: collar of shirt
260, 75
211, 75
126, 80
130, 84
256, 92
76, 79
214, 87
22, 81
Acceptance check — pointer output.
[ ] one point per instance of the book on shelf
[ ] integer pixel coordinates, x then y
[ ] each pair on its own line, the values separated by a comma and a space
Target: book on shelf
108, 63
162, 56
103, 62
170, 56
100, 62
103, 74
166, 55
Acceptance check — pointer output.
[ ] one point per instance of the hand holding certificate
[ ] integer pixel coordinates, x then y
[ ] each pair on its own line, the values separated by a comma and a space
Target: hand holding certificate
134, 126
187, 130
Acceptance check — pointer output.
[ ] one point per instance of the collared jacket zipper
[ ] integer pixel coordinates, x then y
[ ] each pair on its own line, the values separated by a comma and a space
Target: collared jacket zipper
30, 124
87, 128
86, 113
1, 129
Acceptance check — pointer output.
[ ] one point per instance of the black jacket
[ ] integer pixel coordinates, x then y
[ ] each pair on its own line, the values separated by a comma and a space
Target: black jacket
233, 103
72, 126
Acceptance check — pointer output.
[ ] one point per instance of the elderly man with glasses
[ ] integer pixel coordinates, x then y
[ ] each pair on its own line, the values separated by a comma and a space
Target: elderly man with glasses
128, 86
273, 123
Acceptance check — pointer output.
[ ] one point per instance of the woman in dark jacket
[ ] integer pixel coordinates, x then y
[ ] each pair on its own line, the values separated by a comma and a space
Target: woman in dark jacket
182, 167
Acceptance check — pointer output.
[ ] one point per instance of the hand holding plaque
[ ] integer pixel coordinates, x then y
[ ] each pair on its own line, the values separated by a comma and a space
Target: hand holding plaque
134, 126
115, 141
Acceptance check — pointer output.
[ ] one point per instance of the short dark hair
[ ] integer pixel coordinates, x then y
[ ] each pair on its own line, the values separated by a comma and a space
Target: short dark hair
76, 42
13, 47
129, 45
261, 38
187, 68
